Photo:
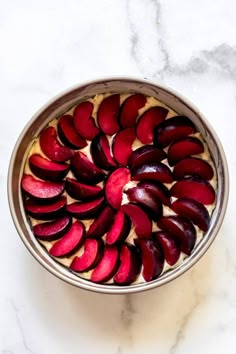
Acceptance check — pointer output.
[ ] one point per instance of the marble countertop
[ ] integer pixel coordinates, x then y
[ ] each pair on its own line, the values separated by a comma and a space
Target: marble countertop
47, 46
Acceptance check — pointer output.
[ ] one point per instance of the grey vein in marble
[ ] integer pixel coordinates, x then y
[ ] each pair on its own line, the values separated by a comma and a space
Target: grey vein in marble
20, 327
127, 317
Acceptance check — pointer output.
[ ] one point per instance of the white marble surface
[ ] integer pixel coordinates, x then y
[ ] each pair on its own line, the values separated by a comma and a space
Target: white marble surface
47, 46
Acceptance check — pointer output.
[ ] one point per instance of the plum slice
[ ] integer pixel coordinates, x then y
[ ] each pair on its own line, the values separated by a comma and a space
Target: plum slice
101, 153
142, 223
155, 171
114, 186
149, 202
51, 146
85, 210
41, 190
119, 229
107, 266
46, 169
152, 258
192, 210
194, 188
129, 109
146, 154
172, 129
68, 134
84, 123
102, 223
70, 242
169, 246
107, 115
78, 190
52, 230
93, 252
85, 170
181, 229
158, 190
193, 166
184, 147
148, 121
122, 145
130, 265
43, 211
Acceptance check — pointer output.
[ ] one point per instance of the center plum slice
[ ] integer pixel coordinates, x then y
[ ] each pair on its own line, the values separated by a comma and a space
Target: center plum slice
152, 258
85, 210
78, 190
114, 186
107, 266
155, 171
107, 115
119, 229
68, 134
51, 146
172, 129
149, 202
148, 121
101, 152
181, 229
142, 223
102, 223
122, 145
70, 242
129, 109
146, 154
85, 170
130, 265
52, 230
93, 252
84, 123
157, 189
41, 190
46, 169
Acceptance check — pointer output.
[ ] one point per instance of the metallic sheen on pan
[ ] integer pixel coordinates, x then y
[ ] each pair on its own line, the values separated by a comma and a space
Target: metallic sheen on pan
59, 105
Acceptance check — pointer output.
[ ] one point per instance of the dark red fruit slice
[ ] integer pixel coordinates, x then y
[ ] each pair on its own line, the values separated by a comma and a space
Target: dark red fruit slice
129, 109
130, 265
107, 115
52, 148
152, 258
46, 169
114, 186
102, 223
192, 210
193, 167
155, 171
84, 170
52, 230
93, 252
101, 153
172, 129
41, 190
181, 229
149, 202
85, 210
148, 121
122, 145
184, 147
142, 223
107, 266
194, 188
119, 230
169, 246
82, 191
70, 242
84, 122
47, 211
146, 154
158, 190
68, 134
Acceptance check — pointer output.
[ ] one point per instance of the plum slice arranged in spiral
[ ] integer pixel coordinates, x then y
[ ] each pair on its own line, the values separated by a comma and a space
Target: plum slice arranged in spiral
119, 187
